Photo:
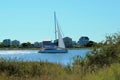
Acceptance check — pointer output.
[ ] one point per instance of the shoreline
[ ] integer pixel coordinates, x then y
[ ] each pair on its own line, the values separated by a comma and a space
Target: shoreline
40, 48
20, 48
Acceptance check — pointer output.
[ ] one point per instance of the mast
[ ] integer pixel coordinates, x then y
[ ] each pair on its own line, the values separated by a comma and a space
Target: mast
55, 25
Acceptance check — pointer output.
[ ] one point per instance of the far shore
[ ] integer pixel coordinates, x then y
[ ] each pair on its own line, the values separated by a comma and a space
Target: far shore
20, 48
39, 48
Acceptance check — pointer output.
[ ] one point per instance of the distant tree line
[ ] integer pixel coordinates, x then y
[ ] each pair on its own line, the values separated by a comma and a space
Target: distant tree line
69, 43
22, 45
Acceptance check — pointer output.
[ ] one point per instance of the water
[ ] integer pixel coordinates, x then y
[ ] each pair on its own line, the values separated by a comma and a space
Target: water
33, 55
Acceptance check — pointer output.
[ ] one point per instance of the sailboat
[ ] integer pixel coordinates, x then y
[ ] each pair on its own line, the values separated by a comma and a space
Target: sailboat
49, 47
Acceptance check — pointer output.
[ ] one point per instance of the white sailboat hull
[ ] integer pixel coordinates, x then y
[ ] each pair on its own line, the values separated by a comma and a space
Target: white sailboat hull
54, 51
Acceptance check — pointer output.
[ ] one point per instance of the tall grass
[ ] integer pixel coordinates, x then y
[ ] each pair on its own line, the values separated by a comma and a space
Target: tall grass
25, 69
106, 73
14, 70
48, 71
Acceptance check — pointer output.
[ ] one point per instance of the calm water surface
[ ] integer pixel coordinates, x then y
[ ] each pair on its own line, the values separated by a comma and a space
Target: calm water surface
33, 55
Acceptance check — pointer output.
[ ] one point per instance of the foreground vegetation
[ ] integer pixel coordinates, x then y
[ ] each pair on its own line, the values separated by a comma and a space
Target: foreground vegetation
103, 63
48, 71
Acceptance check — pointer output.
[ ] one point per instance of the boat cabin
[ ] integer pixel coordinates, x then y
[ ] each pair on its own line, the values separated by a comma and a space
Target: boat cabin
49, 45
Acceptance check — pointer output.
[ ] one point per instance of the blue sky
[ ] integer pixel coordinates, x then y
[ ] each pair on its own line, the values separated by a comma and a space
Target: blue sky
33, 20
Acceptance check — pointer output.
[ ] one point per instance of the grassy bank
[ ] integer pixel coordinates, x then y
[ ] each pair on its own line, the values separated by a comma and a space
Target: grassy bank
12, 70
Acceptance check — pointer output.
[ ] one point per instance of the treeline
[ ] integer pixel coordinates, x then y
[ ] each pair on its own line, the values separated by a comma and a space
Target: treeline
22, 45
31, 45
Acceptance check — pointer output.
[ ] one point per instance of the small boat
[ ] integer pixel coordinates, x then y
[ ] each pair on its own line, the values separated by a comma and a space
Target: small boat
53, 51
52, 47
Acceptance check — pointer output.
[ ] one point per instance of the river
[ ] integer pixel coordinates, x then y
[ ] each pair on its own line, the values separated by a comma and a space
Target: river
33, 55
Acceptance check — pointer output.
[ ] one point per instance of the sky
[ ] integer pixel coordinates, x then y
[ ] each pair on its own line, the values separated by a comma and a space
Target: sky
33, 20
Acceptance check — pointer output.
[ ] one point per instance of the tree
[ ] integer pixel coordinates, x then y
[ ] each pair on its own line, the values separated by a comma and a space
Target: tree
68, 42
26, 45
90, 44
108, 53
2, 45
